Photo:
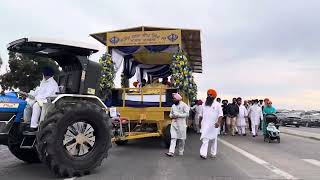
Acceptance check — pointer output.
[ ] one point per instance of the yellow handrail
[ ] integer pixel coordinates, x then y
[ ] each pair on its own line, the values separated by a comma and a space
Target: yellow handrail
160, 104
141, 90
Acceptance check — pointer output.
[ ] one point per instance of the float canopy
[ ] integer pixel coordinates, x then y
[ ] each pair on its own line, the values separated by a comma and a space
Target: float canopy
154, 37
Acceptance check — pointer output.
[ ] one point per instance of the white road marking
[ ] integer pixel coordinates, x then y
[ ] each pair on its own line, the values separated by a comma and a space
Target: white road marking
313, 161
70, 178
259, 161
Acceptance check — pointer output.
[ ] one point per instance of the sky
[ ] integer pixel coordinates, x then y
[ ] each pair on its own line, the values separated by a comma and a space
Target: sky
250, 48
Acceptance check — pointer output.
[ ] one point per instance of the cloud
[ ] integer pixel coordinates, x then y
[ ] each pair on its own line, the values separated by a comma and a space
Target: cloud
249, 48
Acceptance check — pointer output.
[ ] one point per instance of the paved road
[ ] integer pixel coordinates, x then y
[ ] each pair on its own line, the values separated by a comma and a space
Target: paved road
238, 158
305, 129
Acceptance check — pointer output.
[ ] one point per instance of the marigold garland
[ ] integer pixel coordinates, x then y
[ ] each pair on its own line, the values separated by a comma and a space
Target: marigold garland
181, 74
107, 75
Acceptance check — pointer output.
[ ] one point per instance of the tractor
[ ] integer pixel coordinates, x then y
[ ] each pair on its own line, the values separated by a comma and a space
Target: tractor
74, 133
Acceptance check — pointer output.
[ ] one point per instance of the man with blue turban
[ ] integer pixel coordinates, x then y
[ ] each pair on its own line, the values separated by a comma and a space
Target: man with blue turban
48, 87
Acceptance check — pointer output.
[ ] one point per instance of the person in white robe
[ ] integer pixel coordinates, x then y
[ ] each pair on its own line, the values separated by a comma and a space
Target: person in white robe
35, 99
178, 130
210, 120
241, 119
197, 109
255, 114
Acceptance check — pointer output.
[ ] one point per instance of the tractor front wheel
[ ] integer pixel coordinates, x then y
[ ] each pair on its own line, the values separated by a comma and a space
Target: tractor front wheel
14, 141
74, 139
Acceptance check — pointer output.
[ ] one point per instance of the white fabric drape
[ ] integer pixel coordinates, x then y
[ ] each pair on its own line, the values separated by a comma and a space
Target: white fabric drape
117, 58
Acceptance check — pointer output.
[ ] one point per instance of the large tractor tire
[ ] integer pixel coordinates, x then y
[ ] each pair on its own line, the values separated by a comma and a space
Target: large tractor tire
14, 141
167, 136
74, 139
121, 142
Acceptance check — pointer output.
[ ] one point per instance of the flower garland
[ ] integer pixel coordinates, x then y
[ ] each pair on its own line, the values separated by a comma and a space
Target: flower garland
107, 75
124, 81
181, 75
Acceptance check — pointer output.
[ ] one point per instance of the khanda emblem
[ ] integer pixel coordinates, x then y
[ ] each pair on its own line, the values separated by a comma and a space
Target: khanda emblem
172, 37
114, 40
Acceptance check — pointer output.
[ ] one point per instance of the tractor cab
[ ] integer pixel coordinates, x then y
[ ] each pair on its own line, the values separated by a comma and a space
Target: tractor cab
79, 74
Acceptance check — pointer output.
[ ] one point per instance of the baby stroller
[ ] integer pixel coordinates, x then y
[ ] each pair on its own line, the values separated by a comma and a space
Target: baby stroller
271, 128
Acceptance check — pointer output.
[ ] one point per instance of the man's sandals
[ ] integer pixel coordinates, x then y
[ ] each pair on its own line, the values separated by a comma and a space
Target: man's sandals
169, 154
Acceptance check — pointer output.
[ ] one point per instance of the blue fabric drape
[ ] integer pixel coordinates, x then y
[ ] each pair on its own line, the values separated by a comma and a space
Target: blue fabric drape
132, 49
163, 72
128, 49
157, 48
129, 66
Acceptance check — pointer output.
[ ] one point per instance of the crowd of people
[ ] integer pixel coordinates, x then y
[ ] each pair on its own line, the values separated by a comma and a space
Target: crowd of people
214, 117
238, 115
144, 82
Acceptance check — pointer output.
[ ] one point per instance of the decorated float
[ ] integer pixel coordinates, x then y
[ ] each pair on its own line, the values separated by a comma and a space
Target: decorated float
158, 62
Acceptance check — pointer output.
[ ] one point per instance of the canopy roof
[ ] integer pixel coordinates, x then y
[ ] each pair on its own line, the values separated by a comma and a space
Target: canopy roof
190, 38
62, 51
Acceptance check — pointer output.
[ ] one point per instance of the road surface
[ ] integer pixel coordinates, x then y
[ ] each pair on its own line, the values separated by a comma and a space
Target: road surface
239, 158
305, 129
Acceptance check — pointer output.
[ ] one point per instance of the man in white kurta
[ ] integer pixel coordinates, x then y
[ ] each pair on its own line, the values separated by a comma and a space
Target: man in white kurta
48, 87
255, 114
241, 119
179, 114
198, 111
210, 120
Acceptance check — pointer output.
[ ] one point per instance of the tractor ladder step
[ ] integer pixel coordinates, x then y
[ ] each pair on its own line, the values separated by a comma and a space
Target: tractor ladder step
29, 140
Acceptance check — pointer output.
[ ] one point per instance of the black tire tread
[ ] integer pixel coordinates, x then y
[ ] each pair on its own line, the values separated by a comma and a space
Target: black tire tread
14, 140
45, 139
167, 136
26, 155
121, 142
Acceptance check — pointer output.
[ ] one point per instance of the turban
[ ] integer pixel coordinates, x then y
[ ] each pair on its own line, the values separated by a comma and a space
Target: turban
177, 96
47, 71
135, 84
199, 102
212, 92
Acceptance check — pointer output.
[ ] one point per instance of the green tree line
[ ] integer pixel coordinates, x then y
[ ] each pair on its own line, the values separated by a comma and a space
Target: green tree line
24, 71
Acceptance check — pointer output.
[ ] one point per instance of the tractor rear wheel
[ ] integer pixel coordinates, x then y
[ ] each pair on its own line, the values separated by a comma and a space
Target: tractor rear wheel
74, 139
121, 142
167, 136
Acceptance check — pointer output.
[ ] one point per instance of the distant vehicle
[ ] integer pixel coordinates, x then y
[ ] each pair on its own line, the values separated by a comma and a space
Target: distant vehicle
281, 115
311, 120
291, 121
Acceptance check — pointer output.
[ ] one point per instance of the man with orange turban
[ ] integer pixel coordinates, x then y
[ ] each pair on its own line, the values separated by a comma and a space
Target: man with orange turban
210, 120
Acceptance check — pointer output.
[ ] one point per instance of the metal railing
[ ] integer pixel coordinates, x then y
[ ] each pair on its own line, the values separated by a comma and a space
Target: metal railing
142, 93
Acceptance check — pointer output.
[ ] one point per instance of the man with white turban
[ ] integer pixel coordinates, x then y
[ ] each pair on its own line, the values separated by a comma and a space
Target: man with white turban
179, 113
